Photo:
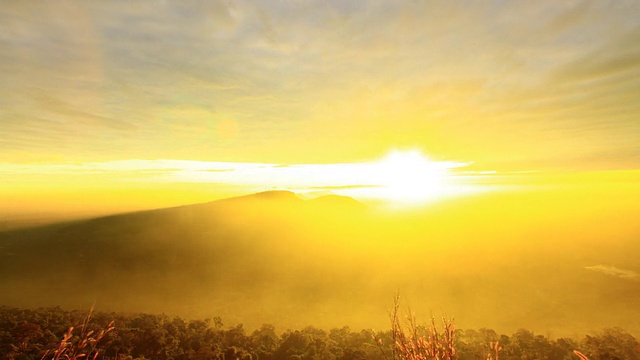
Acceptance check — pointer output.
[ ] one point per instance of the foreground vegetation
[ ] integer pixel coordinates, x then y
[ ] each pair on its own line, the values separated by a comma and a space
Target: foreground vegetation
30, 333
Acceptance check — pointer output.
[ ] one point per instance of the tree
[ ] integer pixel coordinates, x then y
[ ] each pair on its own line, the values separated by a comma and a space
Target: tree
264, 341
611, 344
525, 345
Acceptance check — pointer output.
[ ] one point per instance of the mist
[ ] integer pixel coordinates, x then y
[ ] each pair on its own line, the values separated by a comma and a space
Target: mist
547, 259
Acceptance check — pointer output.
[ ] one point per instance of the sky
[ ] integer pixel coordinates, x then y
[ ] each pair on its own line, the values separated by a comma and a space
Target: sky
100, 100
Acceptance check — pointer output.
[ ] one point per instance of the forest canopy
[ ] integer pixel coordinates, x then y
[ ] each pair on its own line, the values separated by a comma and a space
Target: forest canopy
28, 333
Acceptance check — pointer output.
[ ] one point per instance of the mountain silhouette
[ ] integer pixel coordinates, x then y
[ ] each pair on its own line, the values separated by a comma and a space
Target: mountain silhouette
344, 202
273, 257
193, 260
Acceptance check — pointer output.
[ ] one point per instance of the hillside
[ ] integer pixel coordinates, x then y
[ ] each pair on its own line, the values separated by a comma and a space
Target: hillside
275, 258
237, 257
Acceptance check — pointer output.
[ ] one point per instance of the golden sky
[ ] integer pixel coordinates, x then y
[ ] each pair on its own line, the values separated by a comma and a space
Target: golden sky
104, 95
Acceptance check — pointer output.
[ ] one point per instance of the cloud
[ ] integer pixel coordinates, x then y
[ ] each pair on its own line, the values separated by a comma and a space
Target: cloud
336, 177
614, 271
119, 82
618, 57
216, 170
587, 104
342, 187
571, 17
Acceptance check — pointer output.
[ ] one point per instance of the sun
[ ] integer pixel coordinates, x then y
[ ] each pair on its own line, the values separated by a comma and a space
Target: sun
410, 177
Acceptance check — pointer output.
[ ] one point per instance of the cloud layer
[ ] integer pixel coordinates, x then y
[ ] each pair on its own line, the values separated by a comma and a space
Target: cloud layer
616, 272
513, 85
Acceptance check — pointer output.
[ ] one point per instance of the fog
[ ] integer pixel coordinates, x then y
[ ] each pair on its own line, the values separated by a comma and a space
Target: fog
557, 261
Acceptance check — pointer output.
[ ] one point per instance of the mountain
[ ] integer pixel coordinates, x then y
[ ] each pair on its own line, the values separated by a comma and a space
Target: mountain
218, 258
344, 202
275, 258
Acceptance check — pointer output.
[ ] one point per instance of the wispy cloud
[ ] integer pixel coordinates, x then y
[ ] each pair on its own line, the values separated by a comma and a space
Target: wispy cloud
342, 187
614, 271
366, 179
119, 168
490, 82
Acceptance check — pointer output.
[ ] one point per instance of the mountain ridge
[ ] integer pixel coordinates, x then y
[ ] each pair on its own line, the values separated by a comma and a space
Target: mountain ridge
269, 195
276, 258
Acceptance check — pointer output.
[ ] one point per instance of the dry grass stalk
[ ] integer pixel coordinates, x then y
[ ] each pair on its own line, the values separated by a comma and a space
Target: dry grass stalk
84, 346
494, 351
580, 355
412, 342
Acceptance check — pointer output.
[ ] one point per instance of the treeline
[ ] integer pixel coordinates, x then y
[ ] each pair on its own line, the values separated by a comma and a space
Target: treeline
28, 334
